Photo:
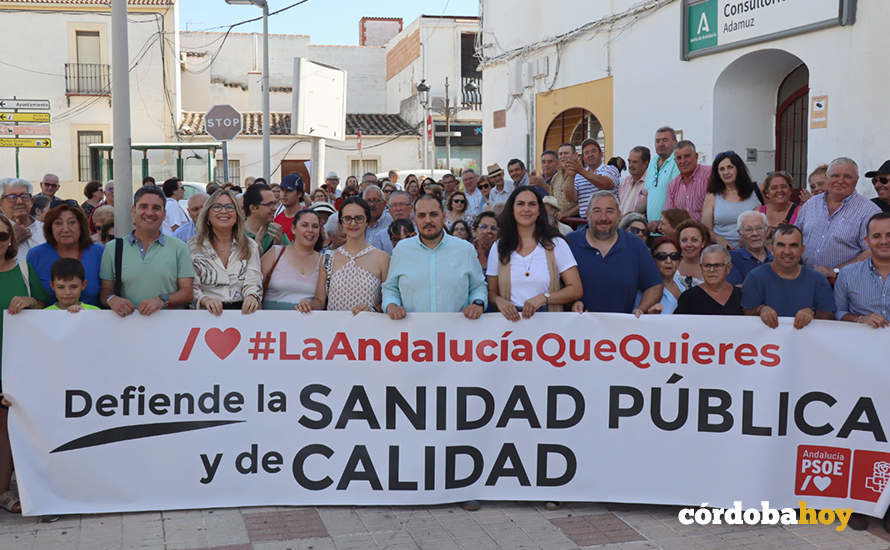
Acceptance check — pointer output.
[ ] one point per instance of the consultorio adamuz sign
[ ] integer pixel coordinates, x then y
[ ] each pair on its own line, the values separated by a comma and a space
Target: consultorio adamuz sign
710, 26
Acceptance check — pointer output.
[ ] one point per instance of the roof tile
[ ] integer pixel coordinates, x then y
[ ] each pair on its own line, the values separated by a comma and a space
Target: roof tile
252, 124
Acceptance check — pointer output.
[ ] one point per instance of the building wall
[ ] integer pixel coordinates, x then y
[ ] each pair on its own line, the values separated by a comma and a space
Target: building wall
653, 87
43, 77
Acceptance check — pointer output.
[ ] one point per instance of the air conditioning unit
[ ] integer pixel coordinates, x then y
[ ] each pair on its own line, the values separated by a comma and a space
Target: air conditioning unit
515, 77
542, 68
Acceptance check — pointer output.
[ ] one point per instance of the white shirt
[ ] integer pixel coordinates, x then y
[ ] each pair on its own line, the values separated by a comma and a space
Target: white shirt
475, 200
175, 216
37, 237
537, 282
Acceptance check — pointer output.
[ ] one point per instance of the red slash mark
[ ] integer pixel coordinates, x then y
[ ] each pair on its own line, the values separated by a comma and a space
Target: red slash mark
189, 344
222, 342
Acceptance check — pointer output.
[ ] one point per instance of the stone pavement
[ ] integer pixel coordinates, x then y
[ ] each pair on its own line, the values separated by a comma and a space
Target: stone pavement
498, 525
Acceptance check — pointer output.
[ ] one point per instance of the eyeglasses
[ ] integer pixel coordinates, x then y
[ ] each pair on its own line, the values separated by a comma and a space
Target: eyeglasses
662, 256
4, 236
484, 186
458, 201
375, 201
51, 185
636, 230
752, 230
880, 179
485, 226
20, 196
223, 207
347, 220
268, 204
712, 267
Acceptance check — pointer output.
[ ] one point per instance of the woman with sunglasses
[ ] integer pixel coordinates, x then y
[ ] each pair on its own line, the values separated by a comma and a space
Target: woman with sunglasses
778, 206
635, 224
456, 209
352, 274
715, 295
226, 260
730, 192
484, 187
666, 252
693, 237
17, 292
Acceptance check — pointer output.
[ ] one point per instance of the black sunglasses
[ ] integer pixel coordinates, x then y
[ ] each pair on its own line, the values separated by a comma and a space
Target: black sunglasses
4, 236
484, 186
881, 179
662, 256
636, 230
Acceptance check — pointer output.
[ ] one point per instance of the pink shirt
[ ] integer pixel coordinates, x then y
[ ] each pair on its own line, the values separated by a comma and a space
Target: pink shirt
689, 194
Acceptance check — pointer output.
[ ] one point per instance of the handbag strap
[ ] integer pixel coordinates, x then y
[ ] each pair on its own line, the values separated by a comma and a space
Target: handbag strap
268, 276
554, 277
118, 265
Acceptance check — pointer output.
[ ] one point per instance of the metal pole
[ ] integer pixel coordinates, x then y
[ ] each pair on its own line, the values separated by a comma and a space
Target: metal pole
225, 162
426, 145
267, 161
447, 127
120, 93
316, 178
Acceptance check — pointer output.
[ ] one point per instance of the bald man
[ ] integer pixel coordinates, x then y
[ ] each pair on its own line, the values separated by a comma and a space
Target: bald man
188, 230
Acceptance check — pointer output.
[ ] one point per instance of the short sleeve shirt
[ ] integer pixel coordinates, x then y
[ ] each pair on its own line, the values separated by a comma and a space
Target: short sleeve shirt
152, 274
529, 275
787, 296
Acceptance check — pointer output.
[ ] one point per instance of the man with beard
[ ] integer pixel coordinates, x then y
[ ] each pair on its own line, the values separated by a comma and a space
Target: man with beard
613, 264
434, 272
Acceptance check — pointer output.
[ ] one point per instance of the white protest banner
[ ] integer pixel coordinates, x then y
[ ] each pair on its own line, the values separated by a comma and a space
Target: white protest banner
187, 410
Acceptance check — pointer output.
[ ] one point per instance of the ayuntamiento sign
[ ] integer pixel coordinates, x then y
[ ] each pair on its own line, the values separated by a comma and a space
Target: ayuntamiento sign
710, 26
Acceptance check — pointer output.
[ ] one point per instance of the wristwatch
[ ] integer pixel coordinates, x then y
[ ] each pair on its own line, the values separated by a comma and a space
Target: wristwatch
547, 297
165, 298
478, 302
837, 271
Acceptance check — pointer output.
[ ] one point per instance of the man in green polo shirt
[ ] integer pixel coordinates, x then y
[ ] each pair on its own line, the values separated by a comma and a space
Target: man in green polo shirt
259, 207
156, 271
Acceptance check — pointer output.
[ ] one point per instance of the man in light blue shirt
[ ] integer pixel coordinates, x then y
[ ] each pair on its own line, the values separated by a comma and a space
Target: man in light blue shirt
661, 172
434, 272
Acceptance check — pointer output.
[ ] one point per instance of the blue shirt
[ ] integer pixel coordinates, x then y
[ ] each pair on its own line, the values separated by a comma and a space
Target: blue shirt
43, 256
185, 232
446, 278
787, 296
657, 181
742, 264
611, 282
378, 236
861, 290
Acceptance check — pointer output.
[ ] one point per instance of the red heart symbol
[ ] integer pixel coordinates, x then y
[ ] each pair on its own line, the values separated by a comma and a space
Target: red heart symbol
222, 342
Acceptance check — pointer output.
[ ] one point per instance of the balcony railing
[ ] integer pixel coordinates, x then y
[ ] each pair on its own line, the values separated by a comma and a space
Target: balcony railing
472, 98
87, 79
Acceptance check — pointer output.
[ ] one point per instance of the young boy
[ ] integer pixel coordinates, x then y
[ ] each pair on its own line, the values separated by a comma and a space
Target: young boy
68, 280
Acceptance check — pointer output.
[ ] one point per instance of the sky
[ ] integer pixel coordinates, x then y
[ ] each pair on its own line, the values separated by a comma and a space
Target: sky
325, 21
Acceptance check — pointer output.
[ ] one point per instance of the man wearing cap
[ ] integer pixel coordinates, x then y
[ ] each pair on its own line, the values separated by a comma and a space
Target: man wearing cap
332, 181
500, 190
880, 178
291, 200
552, 207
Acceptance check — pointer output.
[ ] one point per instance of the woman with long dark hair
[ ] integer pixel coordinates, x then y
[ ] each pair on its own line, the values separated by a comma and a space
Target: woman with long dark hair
534, 266
730, 192
290, 273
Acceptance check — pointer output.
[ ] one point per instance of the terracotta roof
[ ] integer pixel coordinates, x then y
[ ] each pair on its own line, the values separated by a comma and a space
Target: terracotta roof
252, 124
105, 3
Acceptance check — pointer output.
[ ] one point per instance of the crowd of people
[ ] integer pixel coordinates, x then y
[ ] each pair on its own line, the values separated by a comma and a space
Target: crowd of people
672, 236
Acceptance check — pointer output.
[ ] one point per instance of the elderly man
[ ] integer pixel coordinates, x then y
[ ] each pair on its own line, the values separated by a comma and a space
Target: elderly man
518, 173
551, 205
399, 206
784, 287
660, 173
753, 228
332, 181
562, 185
500, 191
862, 291
188, 230
16, 205
613, 264
632, 191
109, 193
369, 178
156, 271
377, 232
49, 186
449, 185
434, 271
593, 175
475, 198
688, 190
834, 223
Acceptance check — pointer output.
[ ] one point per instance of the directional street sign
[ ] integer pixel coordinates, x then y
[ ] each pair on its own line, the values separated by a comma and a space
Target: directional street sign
35, 104
24, 117
222, 122
42, 143
24, 130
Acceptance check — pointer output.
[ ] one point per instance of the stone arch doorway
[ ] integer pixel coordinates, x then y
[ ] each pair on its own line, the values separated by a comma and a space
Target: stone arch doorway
573, 126
760, 111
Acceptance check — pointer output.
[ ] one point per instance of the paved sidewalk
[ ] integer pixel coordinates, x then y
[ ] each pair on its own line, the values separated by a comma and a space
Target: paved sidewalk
498, 525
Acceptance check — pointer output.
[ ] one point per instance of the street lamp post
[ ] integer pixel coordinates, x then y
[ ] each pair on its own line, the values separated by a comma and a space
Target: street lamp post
267, 160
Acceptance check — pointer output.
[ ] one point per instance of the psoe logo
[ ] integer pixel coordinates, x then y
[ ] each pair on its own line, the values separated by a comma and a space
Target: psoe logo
765, 515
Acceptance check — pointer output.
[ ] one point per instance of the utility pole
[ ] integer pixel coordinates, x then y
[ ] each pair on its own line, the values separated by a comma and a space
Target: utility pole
120, 97
447, 127
267, 160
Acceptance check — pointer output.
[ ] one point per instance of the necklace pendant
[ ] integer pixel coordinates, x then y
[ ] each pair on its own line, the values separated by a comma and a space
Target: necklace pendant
527, 274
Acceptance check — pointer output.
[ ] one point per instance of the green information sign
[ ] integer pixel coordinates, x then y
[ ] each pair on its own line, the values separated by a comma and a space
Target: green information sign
702, 25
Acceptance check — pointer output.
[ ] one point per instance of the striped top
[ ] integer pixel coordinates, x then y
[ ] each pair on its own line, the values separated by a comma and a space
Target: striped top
584, 188
689, 195
835, 239
861, 290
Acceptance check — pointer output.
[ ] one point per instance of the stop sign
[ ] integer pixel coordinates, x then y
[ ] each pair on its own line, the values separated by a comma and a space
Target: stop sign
222, 122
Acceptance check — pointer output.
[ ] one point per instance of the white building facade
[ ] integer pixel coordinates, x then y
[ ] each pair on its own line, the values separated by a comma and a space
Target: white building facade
788, 85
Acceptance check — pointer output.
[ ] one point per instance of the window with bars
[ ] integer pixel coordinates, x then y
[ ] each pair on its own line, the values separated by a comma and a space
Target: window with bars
84, 138
234, 171
358, 167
